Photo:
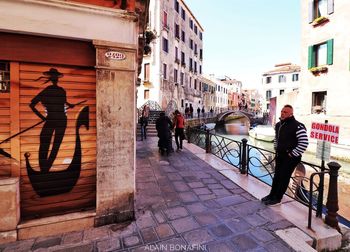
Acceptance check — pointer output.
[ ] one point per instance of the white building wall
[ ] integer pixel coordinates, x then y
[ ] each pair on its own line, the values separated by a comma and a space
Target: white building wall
67, 20
336, 81
275, 86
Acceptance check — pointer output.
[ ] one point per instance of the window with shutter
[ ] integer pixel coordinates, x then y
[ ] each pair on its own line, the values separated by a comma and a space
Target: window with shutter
321, 54
319, 10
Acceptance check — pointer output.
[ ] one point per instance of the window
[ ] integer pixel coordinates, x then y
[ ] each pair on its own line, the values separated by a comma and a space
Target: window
146, 71
200, 35
176, 6
164, 71
195, 66
4, 77
195, 84
176, 54
182, 103
295, 77
165, 45
177, 31
146, 94
183, 14
320, 8
281, 91
268, 79
195, 49
195, 29
191, 23
175, 75
319, 102
183, 61
321, 54
281, 78
200, 69
183, 38
268, 94
191, 43
190, 82
182, 78
191, 64
165, 20
200, 54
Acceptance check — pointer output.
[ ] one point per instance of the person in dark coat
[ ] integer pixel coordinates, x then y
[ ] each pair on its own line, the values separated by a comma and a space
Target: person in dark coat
164, 126
191, 111
290, 143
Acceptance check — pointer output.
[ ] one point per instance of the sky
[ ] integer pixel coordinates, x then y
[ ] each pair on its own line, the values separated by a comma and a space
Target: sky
244, 38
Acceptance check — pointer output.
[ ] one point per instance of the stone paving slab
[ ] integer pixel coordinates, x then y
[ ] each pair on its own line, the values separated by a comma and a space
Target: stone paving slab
181, 204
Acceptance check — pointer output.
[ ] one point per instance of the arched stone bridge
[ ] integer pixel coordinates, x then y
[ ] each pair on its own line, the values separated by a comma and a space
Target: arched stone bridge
221, 117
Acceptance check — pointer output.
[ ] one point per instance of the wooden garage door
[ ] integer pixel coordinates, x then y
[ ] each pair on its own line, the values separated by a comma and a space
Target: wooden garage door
57, 154
5, 131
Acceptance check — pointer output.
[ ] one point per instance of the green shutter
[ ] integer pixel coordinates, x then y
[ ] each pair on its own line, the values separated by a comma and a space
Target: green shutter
311, 61
330, 52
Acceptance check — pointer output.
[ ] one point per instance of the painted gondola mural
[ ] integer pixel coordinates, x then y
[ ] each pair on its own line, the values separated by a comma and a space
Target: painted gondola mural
57, 138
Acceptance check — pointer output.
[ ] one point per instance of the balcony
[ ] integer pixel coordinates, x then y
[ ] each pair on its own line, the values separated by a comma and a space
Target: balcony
318, 70
320, 20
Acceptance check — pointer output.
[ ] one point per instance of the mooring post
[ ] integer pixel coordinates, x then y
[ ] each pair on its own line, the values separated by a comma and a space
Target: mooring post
332, 198
244, 156
188, 131
207, 142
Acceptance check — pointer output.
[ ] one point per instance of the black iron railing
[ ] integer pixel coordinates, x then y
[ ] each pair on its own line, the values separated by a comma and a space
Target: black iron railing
307, 182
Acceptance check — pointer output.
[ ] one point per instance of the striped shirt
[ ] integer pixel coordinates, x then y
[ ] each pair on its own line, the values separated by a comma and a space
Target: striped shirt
303, 141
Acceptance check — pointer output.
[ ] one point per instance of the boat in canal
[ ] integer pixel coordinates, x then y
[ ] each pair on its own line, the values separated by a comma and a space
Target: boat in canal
263, 132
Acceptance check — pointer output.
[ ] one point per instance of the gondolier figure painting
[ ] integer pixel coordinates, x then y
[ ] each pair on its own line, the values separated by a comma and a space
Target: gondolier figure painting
54, 100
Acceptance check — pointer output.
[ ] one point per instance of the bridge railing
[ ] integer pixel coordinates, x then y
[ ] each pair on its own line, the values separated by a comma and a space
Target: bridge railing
306, 185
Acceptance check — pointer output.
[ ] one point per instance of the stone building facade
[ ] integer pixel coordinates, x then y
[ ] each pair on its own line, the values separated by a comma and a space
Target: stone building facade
68, 73
172, 69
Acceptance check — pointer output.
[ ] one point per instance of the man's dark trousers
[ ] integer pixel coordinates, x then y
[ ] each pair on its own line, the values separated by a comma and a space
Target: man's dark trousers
285, 166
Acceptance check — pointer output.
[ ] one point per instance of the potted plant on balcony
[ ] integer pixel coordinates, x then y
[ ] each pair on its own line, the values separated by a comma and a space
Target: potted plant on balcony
318, 69
320, 20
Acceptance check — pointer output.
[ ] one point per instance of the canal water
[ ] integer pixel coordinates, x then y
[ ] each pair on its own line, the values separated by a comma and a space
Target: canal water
344, 172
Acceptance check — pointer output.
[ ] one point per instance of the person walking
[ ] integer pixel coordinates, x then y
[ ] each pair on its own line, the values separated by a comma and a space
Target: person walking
290, 143
144, 122
164, 126
198, 112
191, 111
179, 124
203, 112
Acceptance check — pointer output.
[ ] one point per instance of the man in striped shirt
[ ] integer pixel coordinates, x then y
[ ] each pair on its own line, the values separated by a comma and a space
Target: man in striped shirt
290, 143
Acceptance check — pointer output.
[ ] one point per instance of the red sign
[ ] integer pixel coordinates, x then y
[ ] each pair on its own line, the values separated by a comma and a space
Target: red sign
115, 55
325, 132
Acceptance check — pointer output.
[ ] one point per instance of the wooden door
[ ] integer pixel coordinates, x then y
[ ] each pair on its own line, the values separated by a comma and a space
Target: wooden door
57, 155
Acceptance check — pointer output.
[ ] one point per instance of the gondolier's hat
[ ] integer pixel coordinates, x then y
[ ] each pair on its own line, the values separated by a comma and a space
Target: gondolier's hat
53, 73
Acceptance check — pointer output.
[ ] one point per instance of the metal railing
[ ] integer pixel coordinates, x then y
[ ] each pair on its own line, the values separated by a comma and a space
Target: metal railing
306, 185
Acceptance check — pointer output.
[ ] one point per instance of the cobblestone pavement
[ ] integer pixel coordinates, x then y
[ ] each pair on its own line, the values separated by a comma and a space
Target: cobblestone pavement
182, 204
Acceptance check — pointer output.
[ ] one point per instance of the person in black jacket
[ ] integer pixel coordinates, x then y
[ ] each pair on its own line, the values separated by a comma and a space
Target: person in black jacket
164, 126
290, 143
